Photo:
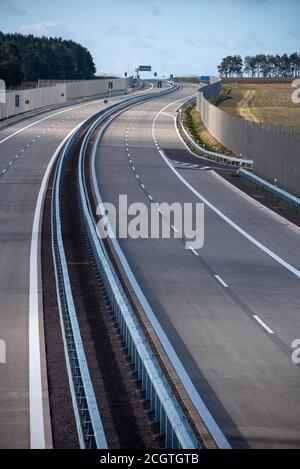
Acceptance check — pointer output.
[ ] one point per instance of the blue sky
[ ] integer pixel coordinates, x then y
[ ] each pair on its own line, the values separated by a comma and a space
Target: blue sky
174, 36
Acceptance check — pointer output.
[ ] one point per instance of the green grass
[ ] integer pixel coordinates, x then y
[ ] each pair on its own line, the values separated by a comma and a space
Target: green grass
188, 79
194, 130
192, 120
269, 103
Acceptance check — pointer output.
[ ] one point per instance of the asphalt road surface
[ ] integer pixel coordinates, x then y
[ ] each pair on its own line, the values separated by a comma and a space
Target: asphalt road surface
25, 151
231, 309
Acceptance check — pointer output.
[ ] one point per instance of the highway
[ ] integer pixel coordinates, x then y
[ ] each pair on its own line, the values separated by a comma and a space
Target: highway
26, 155
230, 309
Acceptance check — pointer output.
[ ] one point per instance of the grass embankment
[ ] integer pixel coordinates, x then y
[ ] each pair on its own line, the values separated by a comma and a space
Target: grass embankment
193, 121
188, 79
269, 103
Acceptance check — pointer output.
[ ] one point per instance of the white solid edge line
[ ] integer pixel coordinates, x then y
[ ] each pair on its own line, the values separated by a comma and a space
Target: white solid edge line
69, 109
221, 281
263, 324
234, 225
224, 217
192, 392
36, 413
41, 120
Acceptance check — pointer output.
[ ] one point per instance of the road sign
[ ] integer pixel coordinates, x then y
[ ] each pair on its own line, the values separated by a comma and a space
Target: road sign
145, 68
205, 78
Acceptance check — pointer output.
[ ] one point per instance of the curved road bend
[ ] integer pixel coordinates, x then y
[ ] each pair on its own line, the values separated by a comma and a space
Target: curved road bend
231, 310
25, 152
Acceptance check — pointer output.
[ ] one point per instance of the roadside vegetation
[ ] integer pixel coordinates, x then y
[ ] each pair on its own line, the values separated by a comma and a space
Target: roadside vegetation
188, 79
193, 122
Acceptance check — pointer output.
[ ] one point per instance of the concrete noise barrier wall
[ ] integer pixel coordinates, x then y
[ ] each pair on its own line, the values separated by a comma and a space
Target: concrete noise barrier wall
19, 101
275, 152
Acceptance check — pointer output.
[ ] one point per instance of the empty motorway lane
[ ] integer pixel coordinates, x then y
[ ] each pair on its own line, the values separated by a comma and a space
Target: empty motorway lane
26, 150
231, 309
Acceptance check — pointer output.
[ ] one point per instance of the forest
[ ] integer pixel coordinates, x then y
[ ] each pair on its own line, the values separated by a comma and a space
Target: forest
29, 58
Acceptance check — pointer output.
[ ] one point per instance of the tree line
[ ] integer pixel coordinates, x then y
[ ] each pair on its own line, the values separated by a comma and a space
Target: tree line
29, 58
261, 65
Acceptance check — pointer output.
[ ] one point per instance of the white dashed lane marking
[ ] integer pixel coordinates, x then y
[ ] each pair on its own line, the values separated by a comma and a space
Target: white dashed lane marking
194, 251
263, 324
221, 281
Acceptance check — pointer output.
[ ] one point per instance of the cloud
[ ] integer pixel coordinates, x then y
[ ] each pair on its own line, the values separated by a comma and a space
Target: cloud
251, 2
137, 38
45, 28
166, 2
11, 7
230, 43
140, 37
293, 34
155, 10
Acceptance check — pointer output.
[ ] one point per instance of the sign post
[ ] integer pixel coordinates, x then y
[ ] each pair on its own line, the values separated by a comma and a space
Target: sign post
105, 102
110, 87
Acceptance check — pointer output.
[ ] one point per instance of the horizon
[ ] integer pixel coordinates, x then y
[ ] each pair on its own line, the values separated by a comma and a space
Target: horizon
165, 34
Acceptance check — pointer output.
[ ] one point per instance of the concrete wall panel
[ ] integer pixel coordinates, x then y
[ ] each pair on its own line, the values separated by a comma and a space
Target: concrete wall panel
61, 93
275, 152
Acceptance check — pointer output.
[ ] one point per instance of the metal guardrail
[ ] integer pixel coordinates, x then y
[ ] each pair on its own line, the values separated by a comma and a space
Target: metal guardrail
219, 157
8, 121
159, 396
217, 436
168, 413
276, 191
89, 426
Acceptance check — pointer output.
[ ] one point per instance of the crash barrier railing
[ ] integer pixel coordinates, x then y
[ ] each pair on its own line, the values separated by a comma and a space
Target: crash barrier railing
272, 188
200, 150
89, 426
8, 121
173, 423
158, 397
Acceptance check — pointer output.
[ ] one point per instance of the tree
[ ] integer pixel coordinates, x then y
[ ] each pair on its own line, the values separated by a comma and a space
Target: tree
261, 65
250, 65
28, 58
10, 70
231, 66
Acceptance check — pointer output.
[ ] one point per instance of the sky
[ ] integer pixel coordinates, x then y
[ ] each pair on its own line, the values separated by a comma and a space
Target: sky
180, 37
